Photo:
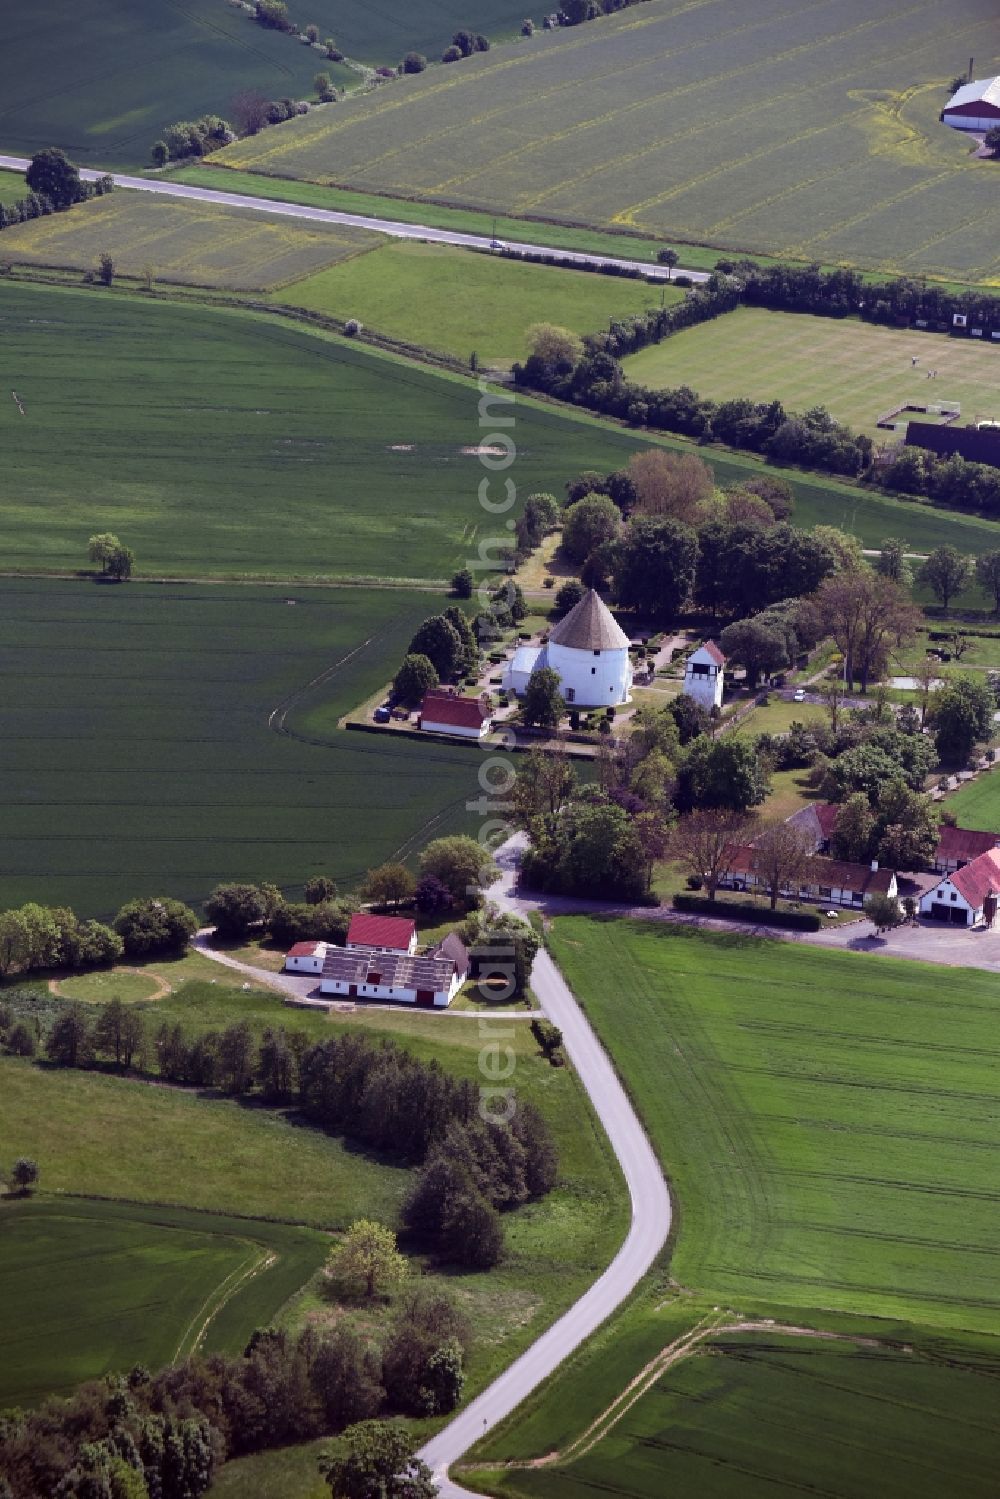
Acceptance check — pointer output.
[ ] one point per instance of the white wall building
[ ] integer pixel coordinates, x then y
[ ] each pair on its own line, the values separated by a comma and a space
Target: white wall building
975, 106
447, 713
704, 675
588, 649
968, 895
306, 957
353, 973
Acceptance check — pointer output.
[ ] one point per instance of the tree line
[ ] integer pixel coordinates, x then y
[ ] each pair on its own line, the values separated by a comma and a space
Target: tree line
54, 185
165, 1435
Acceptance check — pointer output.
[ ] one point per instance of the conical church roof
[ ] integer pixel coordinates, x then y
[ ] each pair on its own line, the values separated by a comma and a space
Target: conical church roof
590, 626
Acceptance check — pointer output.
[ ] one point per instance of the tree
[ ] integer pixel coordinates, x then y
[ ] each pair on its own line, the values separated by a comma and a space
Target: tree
755, 644
554, 345
945, 572
323, 84
568, 595
833, 692
854, 829
413, 62
704, 843
727, 772
105, 269
867, 615
24, 1174
883, 911
375, 1460
15, 941
541, 515
248, 110
120, 564
544, 783
68, 1043
892, 564
463, 867
927, 675
542, 705
780, 857
588, 524
988, 576
961, 714
318, 889
468, 660
119, 1032
53, 176
676, 485
368, 1253
235, 1058
273, 14
389, 884
462, 584
101, 548
155, 925
414, 679
160, 154
669, 258
654, 568
234, 909
991, 140
440, 642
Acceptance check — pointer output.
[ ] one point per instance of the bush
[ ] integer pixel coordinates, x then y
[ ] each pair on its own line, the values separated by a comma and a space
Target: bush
413, 62
703, 905
451, 54
352, 327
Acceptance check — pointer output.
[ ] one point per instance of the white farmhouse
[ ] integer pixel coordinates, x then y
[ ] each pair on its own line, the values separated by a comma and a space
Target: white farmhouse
357, 973
704, 675
306, 957
589, 651
974, 106
968, 895
447, 713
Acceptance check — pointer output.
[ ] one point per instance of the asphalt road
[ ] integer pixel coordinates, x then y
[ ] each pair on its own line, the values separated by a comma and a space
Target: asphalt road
651, 1215
167, 189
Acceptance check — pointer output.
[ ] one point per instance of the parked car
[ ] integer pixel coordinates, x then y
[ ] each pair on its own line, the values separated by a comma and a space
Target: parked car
383, 714
799, 695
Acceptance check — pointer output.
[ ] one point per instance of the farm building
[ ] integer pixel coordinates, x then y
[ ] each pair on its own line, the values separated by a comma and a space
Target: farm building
447, 713
453, 950
817, 821
958, 846
974, 106
589, 651
704, 675
306, 957
832, 881
384, 933
968, 894
362, 973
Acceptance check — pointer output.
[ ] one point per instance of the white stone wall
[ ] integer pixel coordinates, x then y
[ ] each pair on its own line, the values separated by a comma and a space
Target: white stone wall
595, 678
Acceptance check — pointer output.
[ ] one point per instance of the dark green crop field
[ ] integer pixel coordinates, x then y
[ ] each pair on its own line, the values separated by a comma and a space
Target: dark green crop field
93, 1287
139, 757
102, 80
248, 447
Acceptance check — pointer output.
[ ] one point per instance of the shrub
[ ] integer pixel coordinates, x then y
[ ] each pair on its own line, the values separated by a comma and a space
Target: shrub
451, 54
413, 62
352, 327
312, 34
702, 905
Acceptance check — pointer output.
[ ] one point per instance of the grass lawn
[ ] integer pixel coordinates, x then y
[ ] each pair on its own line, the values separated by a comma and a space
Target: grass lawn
459, 301
100, 987
93, 1287
794, 130
856, 370
201, 244
12, 187
144, 1143
779, 715
977, 804
104, 81
141, 755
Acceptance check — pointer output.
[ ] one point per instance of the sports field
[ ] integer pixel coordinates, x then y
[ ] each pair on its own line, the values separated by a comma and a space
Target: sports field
809, 130
201, 244
140, 756
90, 1288
103, 80
460, 302
856, 370
828, 1121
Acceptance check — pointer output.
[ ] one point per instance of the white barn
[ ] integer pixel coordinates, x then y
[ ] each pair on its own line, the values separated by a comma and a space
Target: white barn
968, 895
974, 106
306, 957
353, 973
704, 675
589, 651
447, 713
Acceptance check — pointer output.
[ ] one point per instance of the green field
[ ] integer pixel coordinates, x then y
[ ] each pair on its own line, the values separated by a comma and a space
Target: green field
828, 1122
102, 986
251, 448
856, 370
201, 244
139, 756
104, 80
749, 1417
459, 302
93, 1287
811, 131
12, 187
977, 803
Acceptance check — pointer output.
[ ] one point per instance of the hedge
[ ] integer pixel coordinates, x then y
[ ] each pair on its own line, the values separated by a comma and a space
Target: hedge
732, 910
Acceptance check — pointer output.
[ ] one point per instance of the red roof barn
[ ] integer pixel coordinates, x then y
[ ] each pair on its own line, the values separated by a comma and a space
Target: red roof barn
389, 933
447, 713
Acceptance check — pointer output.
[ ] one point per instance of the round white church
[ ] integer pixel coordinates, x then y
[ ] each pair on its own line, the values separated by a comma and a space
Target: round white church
589, 650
